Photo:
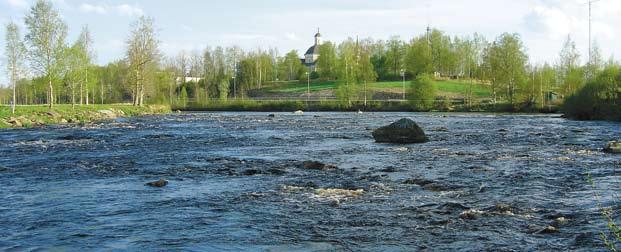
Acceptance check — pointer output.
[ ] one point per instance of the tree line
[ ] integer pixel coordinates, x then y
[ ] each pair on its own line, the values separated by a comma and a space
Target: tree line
44, 68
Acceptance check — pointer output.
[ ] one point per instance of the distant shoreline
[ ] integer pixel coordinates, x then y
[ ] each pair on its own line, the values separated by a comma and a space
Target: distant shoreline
337, 106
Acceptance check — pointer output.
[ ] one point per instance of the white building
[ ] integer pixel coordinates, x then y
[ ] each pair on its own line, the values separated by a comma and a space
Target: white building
312, 54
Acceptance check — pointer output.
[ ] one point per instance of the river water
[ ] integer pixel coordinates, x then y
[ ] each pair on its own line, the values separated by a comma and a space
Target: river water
237, 183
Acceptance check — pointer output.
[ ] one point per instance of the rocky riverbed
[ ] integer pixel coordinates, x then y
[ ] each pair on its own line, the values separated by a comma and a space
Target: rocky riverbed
313, 182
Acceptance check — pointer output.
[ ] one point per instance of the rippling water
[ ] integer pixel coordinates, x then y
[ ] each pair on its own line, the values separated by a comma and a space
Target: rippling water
237, 182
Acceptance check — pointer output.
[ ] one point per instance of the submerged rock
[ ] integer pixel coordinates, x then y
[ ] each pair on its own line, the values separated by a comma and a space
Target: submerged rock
314, 165
404, 131
271, 115
159, 183
548, 230
613, 147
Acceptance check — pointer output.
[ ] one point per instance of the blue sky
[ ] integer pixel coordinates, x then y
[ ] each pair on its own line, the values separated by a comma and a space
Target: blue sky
290, 24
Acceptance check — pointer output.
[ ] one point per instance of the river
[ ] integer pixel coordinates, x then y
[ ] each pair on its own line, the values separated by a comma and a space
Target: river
237, 183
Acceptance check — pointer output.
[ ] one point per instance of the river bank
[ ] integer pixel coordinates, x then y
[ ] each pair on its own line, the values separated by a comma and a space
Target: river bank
41, 115
249, 105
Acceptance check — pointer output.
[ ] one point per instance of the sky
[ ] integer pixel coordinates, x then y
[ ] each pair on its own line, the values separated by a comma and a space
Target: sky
290, 24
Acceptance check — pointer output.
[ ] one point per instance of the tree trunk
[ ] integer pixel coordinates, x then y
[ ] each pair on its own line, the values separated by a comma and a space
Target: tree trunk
72, 96
14, 94
81, 94
51, 88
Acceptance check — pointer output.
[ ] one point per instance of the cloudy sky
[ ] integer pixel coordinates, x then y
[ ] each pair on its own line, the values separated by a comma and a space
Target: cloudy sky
290, 24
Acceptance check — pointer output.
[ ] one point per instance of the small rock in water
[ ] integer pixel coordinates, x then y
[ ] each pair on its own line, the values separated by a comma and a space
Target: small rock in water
404, 131
441, 129
613, 147
159, 183
251, 172
314, 165
271, 115
299, 112
548, 230
389, 169
470, 214
335, 203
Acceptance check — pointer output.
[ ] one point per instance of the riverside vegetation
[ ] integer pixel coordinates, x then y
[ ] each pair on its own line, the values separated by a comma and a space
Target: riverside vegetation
32, 116
492, 75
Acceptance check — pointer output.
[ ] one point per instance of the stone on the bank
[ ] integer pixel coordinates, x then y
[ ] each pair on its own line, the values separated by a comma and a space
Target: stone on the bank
108, 114
53, 114
16, 122
159, 183
613, 147
404, 131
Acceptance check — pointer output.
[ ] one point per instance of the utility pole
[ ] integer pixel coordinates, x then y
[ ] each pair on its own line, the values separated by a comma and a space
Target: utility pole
590, 25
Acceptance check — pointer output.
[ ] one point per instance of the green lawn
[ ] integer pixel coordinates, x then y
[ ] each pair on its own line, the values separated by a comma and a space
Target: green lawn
450, 87
37, 115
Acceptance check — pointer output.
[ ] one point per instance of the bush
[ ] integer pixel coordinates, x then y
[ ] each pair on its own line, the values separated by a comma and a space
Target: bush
599, 99
423, 93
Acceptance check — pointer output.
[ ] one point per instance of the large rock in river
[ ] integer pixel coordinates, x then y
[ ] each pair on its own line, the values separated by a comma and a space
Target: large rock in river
404, 131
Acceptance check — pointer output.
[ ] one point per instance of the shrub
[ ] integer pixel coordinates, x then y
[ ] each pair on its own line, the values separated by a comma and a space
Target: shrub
599, 99
423, 93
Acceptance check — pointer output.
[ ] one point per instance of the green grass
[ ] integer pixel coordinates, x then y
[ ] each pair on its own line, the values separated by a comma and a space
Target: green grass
37, 115
449, 87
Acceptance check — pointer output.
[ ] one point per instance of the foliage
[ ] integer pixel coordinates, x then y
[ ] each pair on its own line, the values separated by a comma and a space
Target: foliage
599, 99
46, 38
422, 95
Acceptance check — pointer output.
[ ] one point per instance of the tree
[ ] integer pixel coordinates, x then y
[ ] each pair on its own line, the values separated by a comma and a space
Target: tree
366, 71
46, 37
15, 54
418, 58
293, 66
327, 61
568, 67
507, 60
596, 63
73, 66
83, 52
142, 50
347, 71
394, 56
423, 93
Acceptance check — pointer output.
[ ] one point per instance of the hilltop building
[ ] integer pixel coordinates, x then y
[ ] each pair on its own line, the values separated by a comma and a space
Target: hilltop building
312, 54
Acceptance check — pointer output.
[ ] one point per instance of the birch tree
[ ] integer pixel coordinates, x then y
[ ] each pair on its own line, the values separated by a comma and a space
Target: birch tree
142, 50
15, 54
46, 39
85, 57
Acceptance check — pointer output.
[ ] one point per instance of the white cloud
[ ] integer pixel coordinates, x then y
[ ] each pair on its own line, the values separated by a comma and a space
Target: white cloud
90, 8
129, 10
122, 9
292, 36
17, 3
551, 21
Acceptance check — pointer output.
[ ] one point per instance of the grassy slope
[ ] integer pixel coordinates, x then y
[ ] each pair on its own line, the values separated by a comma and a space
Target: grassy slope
37, 115
449, 88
